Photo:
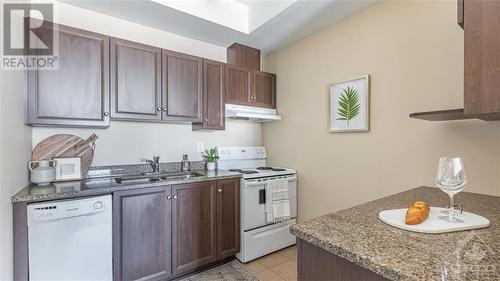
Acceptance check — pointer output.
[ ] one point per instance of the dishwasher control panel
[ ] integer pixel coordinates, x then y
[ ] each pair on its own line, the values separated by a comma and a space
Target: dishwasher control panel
63, 209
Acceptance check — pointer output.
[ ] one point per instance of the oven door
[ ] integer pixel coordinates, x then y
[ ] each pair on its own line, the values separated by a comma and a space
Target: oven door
253, 201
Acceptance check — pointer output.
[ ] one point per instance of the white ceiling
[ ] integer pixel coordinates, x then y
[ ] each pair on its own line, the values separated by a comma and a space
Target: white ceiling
269, 24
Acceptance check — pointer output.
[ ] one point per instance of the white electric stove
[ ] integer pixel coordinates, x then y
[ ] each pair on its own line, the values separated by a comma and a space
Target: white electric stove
258, 237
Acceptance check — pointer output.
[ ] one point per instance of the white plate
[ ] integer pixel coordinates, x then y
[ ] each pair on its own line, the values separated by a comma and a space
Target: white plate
433, 224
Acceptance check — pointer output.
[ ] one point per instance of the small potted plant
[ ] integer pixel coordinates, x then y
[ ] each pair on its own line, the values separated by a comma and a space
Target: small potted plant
211, 157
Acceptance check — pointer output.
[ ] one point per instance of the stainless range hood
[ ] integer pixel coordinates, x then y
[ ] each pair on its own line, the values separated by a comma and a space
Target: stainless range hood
254, 114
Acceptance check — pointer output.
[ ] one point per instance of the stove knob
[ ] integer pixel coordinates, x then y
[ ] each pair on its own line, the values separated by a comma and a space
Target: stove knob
98, 205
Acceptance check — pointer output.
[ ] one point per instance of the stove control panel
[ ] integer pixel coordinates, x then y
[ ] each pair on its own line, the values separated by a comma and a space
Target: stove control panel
241, 152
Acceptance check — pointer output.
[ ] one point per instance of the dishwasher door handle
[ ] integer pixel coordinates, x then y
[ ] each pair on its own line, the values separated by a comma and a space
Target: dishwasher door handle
78, 216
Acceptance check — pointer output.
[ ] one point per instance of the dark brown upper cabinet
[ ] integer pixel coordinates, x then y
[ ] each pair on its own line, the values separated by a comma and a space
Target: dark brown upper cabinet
182, 87
482, 57
228, 217
77, 94
141, 234
238, 85
243, 56
460, 13
263, 89
481, 23
214, 96
193, 226
135, 81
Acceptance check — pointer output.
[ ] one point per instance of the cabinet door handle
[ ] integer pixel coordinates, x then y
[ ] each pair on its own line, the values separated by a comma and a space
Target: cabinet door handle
219, 190
106, 113
169, 197
206, 119
164, 109
175, 197
158, 109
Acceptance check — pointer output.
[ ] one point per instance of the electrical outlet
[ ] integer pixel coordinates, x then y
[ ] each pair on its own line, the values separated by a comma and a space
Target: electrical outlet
201, 148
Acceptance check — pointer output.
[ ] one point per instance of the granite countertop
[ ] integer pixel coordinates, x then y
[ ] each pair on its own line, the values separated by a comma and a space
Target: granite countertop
357, 235
104, 185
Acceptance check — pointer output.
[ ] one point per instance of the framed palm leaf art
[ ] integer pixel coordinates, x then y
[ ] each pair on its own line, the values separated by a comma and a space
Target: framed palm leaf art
350, 105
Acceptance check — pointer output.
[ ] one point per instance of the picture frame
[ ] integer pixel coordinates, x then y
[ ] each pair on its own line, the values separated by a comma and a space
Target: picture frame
68, 168
350, 105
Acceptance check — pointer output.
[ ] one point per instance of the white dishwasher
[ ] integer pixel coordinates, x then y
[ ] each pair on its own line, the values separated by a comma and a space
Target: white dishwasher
71, 240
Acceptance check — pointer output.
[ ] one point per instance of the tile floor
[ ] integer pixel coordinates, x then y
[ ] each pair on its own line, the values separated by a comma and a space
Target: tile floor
278, 266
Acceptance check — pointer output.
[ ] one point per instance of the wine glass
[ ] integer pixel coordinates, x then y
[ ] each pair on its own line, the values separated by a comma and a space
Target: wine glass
451, 179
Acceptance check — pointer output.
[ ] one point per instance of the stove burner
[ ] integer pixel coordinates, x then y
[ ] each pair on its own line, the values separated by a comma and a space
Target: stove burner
245, 172
264, 168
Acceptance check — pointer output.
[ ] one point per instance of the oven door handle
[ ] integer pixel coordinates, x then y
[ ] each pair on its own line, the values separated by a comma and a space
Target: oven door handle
262, 196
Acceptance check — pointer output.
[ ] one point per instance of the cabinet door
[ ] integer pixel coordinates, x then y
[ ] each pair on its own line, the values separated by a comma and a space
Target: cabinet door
135, 81
77, 94
182, 87
193, 226
264, 89
238, 85
142, 225
228, 217
482, 57
214, 98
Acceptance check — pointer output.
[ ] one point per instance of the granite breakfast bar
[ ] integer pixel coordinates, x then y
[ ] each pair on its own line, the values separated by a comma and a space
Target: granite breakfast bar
353, 244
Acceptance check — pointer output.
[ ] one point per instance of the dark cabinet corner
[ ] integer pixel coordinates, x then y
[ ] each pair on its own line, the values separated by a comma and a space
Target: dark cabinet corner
479, 19
460, 13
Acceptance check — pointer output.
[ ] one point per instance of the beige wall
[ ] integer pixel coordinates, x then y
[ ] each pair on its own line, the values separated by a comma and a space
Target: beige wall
128, 142
413, 52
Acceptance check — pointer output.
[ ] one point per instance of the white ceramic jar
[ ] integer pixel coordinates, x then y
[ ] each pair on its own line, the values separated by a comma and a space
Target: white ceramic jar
210, 166
44, 173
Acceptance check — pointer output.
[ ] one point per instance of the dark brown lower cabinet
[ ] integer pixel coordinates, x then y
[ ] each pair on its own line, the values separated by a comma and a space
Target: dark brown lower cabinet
193, 226
228, 217
141, 230
318, 264
162, 233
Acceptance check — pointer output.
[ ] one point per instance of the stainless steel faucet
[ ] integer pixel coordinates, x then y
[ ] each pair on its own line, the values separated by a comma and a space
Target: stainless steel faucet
155, 164
185, 163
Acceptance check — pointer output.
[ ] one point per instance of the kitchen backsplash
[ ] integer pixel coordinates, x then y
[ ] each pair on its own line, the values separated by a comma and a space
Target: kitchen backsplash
117, 170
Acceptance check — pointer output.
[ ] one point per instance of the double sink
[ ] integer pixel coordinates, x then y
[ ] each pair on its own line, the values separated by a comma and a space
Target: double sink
156, 177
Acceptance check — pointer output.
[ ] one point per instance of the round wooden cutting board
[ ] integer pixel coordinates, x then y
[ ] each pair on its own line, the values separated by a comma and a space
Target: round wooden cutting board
65, 145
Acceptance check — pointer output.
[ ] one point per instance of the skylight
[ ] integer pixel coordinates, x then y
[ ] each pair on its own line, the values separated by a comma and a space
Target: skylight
242, 15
